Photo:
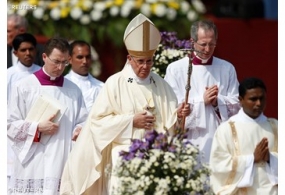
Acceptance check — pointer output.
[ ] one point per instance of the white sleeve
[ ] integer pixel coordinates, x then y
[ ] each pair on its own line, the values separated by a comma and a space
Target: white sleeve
247, 178
272, 169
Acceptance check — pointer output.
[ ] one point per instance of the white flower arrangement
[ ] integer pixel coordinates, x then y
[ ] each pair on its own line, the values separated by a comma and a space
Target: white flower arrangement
161, 165
169, 50
108, 17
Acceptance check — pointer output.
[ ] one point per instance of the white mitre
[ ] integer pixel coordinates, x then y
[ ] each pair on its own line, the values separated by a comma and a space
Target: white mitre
141, 37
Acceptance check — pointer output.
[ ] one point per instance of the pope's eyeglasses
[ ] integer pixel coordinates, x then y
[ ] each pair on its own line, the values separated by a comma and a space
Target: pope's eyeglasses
59, 63
142, 62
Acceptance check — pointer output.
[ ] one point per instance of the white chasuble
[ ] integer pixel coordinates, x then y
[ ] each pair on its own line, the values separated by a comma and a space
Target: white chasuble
233, 147
110, 125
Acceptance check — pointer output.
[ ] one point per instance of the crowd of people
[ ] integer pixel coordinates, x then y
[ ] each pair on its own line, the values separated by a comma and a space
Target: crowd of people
64, 130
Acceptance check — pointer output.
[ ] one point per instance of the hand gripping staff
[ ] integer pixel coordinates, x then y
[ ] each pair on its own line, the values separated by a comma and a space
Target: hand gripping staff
189, 52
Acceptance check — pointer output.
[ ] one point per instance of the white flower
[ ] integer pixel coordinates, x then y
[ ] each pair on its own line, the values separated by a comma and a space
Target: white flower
171, 14
100, 5
55, 13
73, 2
22, 12
76, 13
199, 6
184, 6
87, 4
145, 9
38, 13
96, 15
126, 9
192, 15
160, 10
114, 11
85, 19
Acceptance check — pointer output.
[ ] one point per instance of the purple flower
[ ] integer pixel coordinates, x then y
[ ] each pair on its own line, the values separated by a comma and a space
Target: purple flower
141, 155
150, 136
145, 146
160, 141
172, 148
129, 157
136, 143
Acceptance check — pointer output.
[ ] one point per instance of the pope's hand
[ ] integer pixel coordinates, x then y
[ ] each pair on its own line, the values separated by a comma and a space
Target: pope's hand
144, 120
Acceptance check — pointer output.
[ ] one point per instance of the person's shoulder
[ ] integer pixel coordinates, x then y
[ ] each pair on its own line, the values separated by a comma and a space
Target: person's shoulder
68, 82
68, 76
178, 63
158, 78
273, 120
222, 62
37, 67
11, 70
27, 81
115, 77
96, 81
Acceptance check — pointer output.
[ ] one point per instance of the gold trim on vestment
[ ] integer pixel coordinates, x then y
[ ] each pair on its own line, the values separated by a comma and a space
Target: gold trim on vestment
232, 174
274, 129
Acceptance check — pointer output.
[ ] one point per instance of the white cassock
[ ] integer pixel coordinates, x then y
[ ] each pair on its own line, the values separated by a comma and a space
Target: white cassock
38, 166
89, 86
15, 73
109, 129
203, 120
232, 162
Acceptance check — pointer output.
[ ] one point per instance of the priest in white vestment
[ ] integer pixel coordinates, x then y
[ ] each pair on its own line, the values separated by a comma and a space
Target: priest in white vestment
213, 95
80, 61
244, 155
41, 145
24, 46
132, 101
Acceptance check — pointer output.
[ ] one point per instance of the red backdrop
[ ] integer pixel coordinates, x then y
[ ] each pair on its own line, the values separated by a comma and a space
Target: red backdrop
252, 47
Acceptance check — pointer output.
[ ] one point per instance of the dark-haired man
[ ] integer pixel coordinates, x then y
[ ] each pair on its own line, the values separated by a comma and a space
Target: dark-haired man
244, 155
25, 50
80, 61
17, 24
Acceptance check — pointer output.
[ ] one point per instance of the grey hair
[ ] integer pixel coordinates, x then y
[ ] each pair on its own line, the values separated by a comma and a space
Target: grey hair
20, 21
207, 25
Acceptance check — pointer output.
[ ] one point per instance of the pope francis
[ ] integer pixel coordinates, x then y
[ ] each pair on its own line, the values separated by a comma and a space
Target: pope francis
132, 101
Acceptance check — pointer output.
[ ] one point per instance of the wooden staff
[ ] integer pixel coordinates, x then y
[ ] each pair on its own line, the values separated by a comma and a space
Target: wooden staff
188, 85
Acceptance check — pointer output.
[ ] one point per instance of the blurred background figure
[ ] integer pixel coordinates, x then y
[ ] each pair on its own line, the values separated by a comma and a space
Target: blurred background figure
17, 24
81, 61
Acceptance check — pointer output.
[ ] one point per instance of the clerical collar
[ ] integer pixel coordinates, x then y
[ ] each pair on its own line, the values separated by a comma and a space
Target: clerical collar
260, 118
45, 79
132, 76
198, 61
78, 76
22, 67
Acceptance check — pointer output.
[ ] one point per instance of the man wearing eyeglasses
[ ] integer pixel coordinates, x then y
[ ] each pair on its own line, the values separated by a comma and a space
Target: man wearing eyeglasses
213, 95
45, 113
130, 103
